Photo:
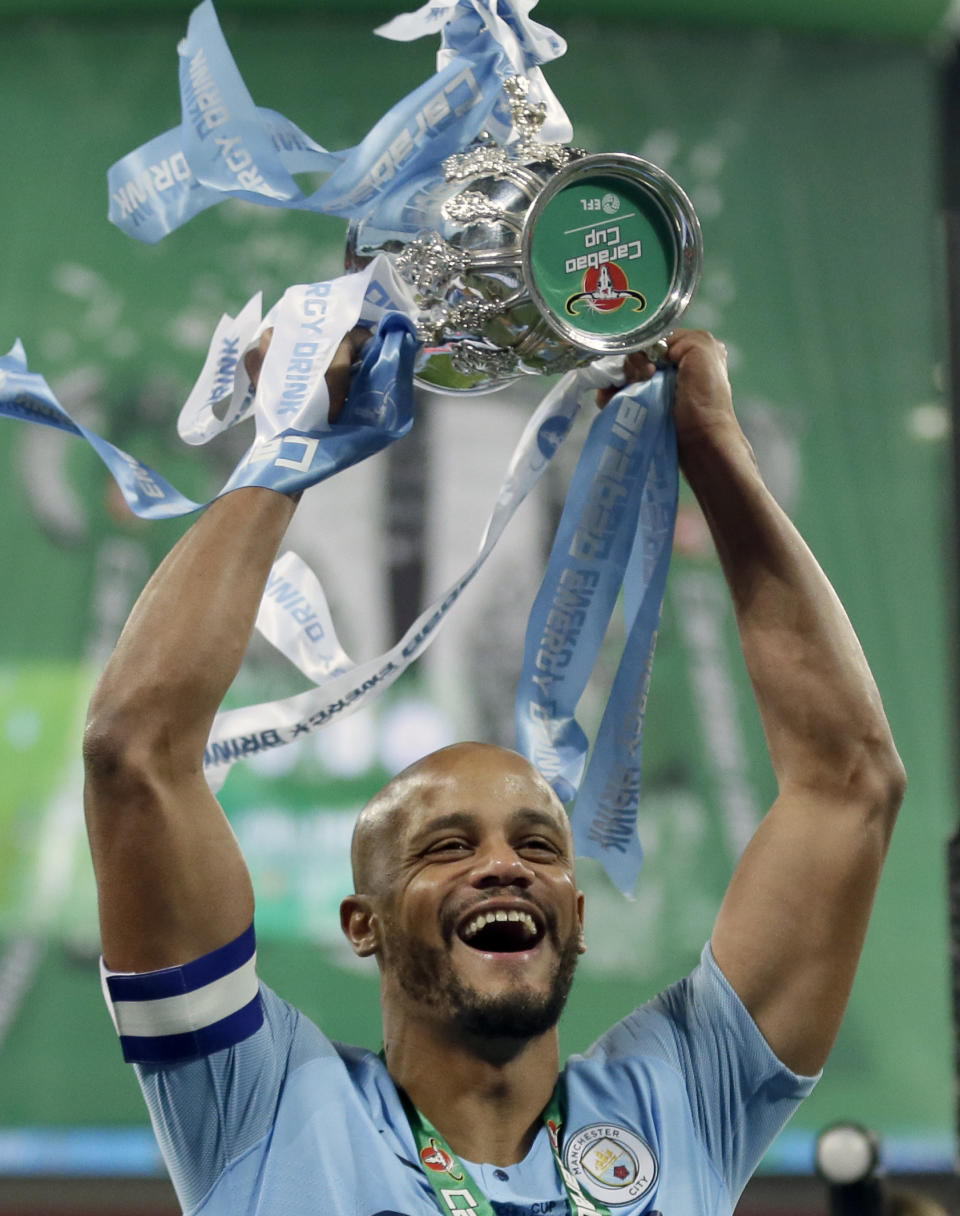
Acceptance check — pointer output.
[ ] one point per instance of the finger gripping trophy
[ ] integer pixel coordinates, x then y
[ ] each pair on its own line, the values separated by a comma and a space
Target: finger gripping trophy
535, 257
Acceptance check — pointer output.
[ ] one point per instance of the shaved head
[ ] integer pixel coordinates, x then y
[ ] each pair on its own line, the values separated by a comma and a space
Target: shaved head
381, 823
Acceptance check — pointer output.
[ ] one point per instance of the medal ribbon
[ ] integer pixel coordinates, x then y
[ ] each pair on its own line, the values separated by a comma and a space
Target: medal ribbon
456, 1191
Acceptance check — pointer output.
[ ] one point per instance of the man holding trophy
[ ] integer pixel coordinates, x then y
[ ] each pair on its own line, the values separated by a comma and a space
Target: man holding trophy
465, 893
523, 256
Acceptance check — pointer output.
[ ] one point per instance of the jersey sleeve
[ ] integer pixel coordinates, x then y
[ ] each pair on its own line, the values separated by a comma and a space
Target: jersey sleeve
739, 1093
211, 1048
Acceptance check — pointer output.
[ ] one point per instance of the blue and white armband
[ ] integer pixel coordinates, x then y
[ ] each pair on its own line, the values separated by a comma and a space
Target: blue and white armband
182, 1013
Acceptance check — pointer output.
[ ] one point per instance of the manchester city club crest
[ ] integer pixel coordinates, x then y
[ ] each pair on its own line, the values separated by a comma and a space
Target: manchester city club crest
611, 1163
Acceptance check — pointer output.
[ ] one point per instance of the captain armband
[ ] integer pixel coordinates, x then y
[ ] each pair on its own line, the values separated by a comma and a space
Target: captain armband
182, 1013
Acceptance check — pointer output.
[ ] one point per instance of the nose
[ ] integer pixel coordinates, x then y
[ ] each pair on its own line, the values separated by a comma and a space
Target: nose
499, 865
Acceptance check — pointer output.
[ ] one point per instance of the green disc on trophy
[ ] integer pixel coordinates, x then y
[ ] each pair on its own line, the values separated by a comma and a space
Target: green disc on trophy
603, 256
612, 252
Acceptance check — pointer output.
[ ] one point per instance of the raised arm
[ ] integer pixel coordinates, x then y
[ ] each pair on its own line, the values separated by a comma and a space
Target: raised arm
789, 933
171, 881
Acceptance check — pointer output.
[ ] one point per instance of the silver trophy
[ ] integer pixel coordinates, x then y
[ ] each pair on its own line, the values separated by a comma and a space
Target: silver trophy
536, 257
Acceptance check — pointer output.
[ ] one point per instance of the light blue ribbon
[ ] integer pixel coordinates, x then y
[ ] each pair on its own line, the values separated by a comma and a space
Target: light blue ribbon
228, 147
616, 531
378, 411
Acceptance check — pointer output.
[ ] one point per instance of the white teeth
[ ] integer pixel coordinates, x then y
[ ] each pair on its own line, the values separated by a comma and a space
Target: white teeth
489, 918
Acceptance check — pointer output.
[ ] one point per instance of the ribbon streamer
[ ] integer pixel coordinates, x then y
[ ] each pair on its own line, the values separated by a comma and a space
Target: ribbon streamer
616, 530
295, 618
241, 732
228, 147
524, 42
378, 410
617, 525
615, 533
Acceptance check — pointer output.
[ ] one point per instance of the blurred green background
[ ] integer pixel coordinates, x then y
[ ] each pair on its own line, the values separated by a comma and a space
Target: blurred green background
808, 146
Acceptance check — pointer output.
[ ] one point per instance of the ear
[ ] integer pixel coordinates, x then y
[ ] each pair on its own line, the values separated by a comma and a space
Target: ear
581, 940
360, 924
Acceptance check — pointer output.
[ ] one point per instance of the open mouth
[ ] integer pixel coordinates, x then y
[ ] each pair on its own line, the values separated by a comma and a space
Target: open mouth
501, 931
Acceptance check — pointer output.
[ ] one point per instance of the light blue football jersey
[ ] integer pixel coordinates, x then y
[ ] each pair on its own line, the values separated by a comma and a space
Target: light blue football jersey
667, 1114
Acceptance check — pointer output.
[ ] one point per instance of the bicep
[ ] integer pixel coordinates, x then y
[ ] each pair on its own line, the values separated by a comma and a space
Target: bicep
171, 881
789, 933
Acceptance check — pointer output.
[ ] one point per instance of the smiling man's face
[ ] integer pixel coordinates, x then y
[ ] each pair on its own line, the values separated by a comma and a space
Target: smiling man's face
481, 920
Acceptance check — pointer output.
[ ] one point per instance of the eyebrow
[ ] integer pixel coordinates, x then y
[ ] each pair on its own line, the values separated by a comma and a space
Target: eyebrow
528, 816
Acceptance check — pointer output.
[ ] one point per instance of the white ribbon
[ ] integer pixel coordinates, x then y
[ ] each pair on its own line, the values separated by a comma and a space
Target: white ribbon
525, 43
308, 323
295, 618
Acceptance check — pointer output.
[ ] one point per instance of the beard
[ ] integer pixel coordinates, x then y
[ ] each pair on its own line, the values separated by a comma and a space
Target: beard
426, 973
